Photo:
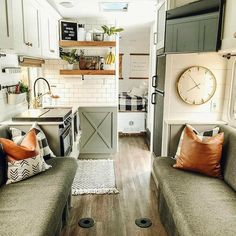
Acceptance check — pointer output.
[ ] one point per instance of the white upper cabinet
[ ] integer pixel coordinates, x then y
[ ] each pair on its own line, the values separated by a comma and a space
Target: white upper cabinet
32, 26
36, 29
50, 36
229, 29
6, 25
27, 27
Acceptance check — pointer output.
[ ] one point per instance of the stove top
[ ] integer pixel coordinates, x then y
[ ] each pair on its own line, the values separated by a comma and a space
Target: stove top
44, 115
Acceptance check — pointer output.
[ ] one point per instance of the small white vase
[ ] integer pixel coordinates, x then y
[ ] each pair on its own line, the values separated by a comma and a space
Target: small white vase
70, 66
111, 37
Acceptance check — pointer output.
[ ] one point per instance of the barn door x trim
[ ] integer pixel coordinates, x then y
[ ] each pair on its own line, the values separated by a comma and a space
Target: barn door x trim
96, 129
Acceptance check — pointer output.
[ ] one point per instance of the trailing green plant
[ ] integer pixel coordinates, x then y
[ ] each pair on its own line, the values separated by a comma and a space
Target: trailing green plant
112, 30
71, 57
23, 88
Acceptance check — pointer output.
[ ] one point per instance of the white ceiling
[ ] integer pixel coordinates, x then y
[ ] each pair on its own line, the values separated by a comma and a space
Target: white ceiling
140, 12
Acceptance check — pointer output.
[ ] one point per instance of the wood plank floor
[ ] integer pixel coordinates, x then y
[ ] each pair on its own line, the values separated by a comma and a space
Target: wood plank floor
115, 214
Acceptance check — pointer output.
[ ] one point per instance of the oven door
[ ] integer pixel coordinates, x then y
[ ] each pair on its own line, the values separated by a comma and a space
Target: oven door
66, 141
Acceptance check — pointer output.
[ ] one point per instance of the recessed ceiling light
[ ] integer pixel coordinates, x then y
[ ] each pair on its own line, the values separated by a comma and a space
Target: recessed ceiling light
114, 6
67, 4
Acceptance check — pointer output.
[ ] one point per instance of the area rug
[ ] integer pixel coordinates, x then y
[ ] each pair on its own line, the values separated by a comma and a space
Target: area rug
94, 177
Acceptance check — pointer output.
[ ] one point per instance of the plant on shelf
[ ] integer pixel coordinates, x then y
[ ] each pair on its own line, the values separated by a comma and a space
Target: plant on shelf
111, 31
71, 57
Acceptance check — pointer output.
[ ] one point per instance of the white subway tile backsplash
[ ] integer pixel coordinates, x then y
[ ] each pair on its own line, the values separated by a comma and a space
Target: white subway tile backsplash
73, 90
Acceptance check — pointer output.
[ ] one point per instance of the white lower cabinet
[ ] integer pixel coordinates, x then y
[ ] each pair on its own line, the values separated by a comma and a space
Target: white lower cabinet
131, 122
6, 25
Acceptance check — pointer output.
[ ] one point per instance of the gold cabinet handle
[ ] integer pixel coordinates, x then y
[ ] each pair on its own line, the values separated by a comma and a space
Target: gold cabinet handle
235, 35
31, 45
27, 43
52, 50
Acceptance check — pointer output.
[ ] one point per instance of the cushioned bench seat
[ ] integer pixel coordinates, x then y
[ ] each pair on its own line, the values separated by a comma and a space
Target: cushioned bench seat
193, 204
35, 206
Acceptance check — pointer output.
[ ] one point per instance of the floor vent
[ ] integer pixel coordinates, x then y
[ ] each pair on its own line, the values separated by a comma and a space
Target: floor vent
86, 223
143, 222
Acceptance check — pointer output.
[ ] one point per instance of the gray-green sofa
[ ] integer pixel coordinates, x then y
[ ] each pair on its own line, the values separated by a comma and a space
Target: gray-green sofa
37, 206
191, 204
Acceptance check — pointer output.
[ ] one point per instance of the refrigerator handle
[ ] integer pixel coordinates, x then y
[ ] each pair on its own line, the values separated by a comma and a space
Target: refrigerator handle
154, 81
155, 38
153, 98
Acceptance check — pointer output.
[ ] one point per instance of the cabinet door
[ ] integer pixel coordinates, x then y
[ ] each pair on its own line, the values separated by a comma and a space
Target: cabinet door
99, 129
186, 37
32, 34
161, 18
6, 26
208, 34
53, 37
20, 40
50, 34
169, 44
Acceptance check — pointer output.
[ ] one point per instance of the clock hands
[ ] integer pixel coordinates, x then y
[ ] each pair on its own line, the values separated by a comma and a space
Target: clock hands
196, 86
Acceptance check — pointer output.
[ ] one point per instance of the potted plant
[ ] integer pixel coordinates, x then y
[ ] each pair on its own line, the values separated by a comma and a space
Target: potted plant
20, 95
110, 32
71, 57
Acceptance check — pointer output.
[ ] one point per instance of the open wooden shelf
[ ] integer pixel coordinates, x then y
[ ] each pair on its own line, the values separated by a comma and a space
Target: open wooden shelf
87, 43
87, 72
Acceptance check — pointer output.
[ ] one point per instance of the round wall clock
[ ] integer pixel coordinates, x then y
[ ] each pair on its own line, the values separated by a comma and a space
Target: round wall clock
196, 85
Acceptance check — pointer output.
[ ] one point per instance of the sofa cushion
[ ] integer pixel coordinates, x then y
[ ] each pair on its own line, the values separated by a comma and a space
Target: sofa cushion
203, 156
26, 149
34, 206
229, 155
199, 205
18, 135
3, 166
201, 135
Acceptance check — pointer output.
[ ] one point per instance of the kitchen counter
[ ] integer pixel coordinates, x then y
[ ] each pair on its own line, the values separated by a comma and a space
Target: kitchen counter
73, 107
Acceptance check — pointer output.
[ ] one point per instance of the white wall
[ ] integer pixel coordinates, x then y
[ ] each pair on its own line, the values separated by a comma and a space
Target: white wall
175, 108
133, 40
7, 111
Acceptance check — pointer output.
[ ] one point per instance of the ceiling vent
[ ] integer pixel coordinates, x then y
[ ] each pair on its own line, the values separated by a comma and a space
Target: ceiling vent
114, 6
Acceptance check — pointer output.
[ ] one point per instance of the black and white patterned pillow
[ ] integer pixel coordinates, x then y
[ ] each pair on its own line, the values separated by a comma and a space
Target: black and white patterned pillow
23, 169
201, 136
18, 135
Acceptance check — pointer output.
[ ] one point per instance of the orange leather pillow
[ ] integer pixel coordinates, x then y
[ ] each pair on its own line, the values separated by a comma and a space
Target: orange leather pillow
201, 156
27, 149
